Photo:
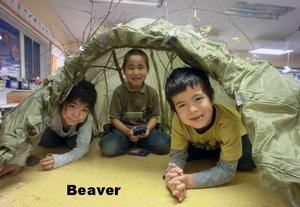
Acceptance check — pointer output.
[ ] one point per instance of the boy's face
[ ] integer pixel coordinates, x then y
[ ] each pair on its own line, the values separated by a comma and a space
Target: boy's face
136, 71
74, 113
193, 107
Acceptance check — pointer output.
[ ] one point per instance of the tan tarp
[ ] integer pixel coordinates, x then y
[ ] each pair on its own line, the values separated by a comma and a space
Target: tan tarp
269, 101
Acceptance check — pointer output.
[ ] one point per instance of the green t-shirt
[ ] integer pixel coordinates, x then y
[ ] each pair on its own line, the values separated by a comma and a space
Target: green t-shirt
133, 107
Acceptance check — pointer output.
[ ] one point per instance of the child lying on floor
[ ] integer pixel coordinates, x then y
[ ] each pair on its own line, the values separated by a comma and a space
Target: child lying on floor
70, 125
202, 128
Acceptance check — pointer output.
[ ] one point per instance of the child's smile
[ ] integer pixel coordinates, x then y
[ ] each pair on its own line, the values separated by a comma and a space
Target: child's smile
193, 107
74, 113
136, 71
197, 118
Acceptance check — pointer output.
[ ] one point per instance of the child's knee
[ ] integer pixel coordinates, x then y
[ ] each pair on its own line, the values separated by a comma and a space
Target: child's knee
107, 147
111, 146
164, 146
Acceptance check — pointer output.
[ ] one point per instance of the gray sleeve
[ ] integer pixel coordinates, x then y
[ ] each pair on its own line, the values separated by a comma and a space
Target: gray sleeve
178, 157
82, 146
222, 173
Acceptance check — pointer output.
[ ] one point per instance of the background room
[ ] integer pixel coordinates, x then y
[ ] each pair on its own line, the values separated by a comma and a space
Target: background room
37, 37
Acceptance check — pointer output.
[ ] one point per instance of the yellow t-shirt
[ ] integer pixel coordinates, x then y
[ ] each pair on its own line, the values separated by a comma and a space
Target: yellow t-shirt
225, 132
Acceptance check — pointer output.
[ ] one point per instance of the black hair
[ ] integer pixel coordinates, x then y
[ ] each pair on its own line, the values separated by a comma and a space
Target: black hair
135, 52
85, 92
181, 78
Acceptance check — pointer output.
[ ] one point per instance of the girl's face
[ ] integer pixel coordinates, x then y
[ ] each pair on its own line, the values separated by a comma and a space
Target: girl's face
73, 113
193, 107
136, 71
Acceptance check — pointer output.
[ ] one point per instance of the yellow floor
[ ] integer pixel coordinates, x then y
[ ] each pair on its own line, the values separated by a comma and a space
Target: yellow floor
139, 179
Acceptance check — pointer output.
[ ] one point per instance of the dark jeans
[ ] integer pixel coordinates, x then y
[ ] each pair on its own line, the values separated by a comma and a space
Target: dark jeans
50, 139
245, 162
116, 143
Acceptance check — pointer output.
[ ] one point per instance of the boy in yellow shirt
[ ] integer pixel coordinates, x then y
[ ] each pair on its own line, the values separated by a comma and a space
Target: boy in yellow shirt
202, 128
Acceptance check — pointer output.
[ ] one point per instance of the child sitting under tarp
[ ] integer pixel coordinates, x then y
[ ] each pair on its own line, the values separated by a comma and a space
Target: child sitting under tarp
70, 125
202, 128
134, 103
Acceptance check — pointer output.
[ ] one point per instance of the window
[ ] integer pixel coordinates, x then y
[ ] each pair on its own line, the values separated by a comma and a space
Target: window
32, 58
9, 50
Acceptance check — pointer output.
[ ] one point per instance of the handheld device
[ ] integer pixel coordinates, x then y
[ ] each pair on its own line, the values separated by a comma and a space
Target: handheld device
139, 129
138, 152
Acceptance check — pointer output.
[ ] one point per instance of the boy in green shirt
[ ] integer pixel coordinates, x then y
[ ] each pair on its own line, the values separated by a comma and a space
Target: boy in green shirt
134, 103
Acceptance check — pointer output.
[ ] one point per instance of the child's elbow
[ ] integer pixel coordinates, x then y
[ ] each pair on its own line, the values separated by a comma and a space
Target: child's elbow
229, 178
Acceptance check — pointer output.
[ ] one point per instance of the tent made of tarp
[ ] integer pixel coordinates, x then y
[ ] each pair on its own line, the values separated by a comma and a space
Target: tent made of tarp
267, 100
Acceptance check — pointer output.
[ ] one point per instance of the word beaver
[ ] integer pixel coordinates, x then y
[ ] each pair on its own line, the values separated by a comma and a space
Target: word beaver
73, 190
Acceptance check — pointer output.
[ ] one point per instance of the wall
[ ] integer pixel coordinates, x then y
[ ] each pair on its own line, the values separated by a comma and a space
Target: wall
45, 14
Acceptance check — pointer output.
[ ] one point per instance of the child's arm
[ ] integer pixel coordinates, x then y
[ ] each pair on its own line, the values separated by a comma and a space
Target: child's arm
119, 125
222, 173
125, 130
76, 153
11, 169
150, 125
177, 182
19, 161
82, 146
178, 157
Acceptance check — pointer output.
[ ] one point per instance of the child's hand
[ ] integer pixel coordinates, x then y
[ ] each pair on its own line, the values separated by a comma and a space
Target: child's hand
178, 187
146, 134
175, 181
132, 137
47, 163
173, 172
11, 169
175, 169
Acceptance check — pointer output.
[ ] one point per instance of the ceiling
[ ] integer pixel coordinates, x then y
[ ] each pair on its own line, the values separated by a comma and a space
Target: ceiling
239, 33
